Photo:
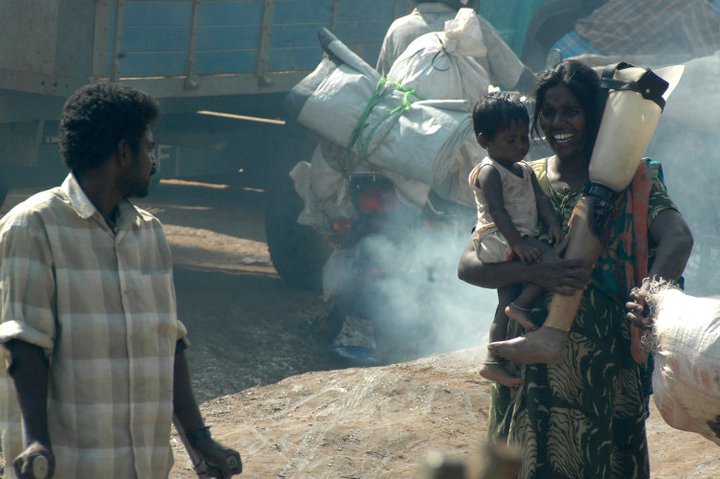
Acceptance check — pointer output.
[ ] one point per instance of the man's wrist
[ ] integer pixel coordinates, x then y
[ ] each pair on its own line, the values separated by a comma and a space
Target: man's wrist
197, 435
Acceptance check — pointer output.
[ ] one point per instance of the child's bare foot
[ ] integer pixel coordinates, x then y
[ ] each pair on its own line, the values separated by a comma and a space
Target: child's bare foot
546, 345
494, 371
520, 315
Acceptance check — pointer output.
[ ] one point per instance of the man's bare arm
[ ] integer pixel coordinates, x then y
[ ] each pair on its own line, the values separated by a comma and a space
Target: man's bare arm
29, 370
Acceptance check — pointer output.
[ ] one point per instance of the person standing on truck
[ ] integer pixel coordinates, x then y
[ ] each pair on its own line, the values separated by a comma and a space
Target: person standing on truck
87, 300
503, 66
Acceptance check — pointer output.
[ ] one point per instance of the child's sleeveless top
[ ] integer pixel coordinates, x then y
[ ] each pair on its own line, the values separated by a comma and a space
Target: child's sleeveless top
518, 198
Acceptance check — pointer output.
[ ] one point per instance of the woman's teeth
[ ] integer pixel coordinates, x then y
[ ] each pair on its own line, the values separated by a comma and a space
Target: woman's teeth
563, 137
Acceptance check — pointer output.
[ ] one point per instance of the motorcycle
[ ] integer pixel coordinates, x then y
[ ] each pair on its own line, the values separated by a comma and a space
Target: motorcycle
380, 275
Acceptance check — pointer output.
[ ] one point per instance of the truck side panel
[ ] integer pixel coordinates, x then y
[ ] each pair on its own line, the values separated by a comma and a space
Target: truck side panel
270, 42
511, 19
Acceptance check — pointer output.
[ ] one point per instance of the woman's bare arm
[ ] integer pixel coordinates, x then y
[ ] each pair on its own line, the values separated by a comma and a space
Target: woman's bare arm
552, 273
674, 241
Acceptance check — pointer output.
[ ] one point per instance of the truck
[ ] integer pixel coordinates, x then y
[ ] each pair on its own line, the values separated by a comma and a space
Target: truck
220, 70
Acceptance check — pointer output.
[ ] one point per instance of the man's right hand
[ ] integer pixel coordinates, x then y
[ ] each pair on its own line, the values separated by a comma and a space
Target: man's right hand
35, 462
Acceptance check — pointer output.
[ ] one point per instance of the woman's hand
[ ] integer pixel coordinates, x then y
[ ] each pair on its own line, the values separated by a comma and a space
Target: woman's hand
559, 275
637, 310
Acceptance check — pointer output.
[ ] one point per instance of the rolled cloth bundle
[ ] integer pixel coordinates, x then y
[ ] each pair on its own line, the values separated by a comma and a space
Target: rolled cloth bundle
686, 346
347, 102
635, 98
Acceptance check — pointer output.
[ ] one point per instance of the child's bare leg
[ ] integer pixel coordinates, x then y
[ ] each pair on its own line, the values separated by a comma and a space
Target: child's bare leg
545, 345
519, 309
493, 367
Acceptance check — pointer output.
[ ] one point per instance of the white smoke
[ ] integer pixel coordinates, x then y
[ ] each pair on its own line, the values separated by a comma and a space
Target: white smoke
423, 307
688, 146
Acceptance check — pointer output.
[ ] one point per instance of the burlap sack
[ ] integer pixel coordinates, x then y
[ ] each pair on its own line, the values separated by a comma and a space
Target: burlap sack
686, 379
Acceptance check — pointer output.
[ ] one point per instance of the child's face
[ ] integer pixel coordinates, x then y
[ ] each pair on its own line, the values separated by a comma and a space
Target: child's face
509, 145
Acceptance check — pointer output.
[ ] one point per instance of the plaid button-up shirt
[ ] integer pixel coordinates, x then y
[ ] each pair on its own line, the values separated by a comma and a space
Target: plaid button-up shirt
653, 27
101, 303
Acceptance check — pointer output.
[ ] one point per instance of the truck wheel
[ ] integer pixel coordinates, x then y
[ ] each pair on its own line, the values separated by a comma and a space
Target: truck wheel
297, 252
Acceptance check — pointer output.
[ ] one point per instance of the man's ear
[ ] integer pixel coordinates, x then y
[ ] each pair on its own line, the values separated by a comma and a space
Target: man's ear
124, 153
483, 140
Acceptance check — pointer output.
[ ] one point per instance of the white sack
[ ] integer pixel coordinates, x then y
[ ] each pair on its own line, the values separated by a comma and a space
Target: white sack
420, 144
442, 65
325, 191
686, 379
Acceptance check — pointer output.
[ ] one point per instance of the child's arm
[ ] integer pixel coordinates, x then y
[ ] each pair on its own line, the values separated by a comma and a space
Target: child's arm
489, 181
546, 212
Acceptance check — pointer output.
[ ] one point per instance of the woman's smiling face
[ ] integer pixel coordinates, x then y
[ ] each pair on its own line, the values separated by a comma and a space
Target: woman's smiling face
564, 123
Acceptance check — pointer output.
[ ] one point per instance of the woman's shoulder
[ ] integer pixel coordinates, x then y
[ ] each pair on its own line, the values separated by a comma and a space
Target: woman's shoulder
539, 166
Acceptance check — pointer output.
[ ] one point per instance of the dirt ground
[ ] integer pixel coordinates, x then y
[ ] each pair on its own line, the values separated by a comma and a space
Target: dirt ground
268, 389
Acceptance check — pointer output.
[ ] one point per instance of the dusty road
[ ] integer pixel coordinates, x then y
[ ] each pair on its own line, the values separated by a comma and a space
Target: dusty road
247, 327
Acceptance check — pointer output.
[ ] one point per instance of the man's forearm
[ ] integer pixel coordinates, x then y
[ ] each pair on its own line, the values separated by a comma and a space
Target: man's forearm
184, 403
29, 370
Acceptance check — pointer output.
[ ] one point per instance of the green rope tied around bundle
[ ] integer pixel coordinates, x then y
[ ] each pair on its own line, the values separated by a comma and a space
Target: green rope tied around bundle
360, 143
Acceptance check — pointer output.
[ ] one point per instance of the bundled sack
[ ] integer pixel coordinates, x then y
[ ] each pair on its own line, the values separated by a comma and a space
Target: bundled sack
381, 122
324, 187
443, 65
686, 345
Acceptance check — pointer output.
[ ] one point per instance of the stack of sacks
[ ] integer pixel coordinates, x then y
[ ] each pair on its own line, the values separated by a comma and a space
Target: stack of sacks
418, 150
381, 123
443, 65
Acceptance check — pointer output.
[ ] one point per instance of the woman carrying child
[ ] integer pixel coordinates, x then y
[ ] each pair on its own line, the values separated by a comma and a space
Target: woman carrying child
584, 416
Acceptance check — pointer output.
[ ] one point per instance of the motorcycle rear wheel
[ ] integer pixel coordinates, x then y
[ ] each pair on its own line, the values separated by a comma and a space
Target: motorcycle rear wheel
298, 252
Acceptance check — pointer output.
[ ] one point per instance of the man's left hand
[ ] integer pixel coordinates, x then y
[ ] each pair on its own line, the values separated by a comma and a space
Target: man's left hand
714, 426
222, 461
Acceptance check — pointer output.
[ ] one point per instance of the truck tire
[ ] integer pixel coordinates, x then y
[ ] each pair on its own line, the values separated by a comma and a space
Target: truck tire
298, 252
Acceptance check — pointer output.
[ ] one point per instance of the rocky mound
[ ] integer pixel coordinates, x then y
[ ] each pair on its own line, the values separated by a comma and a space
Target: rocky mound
380, 423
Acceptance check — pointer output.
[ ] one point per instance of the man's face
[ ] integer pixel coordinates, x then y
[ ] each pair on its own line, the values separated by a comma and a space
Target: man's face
136, 179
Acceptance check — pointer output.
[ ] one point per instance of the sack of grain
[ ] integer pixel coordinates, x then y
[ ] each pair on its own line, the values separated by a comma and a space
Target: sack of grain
686, 345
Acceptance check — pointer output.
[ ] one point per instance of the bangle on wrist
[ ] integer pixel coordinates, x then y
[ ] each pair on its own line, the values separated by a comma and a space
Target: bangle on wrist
194, 437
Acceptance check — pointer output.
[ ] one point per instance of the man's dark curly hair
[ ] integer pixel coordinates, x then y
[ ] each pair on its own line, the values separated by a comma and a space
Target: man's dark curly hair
97, 117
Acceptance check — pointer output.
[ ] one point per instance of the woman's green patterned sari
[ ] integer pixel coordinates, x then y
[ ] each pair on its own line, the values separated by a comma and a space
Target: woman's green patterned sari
585, 417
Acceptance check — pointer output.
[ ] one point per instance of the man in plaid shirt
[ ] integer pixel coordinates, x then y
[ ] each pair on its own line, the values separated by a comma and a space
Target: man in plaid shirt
88, 307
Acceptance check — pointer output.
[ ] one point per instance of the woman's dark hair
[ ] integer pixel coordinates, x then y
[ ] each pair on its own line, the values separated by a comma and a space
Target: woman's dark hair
496, 111
582, 81
97, 117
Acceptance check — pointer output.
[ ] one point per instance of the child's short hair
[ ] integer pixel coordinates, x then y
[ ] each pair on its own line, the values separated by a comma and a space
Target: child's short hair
496, 111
